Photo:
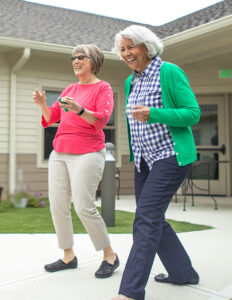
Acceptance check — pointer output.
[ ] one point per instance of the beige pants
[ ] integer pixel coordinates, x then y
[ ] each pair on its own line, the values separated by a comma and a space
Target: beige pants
75, 178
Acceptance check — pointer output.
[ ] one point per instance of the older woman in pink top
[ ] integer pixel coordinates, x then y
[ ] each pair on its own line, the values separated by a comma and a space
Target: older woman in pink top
77, 162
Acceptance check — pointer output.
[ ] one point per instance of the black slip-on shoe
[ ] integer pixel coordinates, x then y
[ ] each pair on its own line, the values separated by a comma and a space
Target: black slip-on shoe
165, 279
106, 269
60, 265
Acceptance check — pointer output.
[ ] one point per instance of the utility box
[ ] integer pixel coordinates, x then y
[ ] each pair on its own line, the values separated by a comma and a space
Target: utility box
108, 187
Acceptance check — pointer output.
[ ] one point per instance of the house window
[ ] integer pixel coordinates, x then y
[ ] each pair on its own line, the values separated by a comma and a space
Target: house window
50, 132
110, 129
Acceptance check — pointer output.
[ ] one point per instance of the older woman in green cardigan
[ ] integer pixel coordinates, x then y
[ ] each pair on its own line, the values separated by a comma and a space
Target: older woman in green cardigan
160, 108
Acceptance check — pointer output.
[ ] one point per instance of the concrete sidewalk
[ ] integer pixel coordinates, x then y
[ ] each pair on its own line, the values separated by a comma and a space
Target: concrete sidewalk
24, 255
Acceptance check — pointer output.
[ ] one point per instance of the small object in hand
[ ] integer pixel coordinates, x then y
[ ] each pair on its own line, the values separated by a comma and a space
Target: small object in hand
63, 103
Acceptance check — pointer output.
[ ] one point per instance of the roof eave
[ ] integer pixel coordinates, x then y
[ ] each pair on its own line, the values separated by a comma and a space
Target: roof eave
49, 47
197, 31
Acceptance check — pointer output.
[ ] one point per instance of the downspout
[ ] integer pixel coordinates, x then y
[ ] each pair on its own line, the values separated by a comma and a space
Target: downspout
12, 143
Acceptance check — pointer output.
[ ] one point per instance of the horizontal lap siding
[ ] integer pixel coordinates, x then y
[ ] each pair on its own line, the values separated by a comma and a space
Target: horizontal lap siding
4, 161
126, 176
4, 110
36, 179
127, 168
124, 136
27, 115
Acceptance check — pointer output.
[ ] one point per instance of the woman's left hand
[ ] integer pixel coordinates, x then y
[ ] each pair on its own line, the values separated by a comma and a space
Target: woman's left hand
141, 113
71, 104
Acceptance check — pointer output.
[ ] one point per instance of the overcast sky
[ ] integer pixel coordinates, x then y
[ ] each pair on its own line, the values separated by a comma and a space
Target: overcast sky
153, 12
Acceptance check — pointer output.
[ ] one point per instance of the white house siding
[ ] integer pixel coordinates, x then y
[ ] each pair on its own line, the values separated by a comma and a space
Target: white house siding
4, 171
4, 110
4, 123
124, 139
26, 118
36, 179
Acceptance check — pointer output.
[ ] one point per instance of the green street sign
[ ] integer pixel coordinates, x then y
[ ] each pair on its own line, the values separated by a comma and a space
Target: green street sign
225, 73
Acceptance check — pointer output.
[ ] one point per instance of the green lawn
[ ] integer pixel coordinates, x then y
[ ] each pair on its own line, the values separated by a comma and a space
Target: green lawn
38, 220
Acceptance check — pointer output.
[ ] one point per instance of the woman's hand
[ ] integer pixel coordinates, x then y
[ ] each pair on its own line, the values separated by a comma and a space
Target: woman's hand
141, 113
39, 98
70, 104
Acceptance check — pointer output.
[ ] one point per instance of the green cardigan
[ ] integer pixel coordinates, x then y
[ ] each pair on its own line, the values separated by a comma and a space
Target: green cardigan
180, 111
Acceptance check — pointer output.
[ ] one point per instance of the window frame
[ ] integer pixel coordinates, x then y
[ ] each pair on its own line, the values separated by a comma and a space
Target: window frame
115, 127
43, 85
55, 125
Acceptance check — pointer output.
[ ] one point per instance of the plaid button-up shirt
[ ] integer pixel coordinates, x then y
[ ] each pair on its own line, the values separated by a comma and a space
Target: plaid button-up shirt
150, 141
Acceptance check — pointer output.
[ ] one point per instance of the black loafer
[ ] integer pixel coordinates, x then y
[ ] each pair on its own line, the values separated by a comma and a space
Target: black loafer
165, 279
106, 269
59, 265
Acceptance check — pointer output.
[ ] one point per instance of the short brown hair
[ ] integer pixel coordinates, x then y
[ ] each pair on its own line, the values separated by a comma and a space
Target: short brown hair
95, 54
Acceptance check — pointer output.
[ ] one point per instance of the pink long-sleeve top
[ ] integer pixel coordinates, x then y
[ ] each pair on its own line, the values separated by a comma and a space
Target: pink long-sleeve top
75, 135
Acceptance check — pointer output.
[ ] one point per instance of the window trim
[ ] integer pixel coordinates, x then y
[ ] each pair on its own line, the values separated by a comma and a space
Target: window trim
117, 92
43, 85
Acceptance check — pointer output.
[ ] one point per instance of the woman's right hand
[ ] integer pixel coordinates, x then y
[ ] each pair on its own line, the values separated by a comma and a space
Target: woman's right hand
39, 98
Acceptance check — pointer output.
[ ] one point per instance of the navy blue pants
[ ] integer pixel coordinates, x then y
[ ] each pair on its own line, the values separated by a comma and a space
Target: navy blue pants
154, 190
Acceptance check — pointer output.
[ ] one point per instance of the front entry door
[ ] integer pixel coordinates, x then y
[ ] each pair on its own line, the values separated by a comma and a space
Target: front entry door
209, 135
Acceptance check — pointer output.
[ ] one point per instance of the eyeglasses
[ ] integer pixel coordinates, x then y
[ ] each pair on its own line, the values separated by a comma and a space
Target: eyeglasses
79, 57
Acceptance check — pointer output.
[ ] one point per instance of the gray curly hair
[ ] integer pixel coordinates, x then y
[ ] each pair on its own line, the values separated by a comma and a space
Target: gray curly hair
139, 35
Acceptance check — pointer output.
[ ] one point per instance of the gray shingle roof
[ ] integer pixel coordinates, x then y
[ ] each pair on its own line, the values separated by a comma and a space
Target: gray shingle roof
203, 16
31, 21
